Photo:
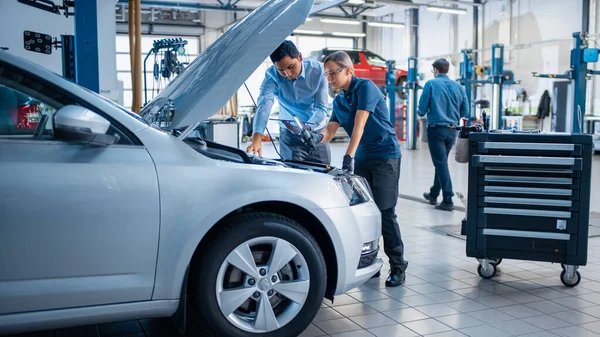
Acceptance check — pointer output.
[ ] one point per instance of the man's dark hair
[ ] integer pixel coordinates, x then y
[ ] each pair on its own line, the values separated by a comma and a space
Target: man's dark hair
287, 48
441, 65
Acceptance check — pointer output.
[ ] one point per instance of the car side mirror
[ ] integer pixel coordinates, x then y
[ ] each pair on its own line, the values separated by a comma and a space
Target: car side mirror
76, 123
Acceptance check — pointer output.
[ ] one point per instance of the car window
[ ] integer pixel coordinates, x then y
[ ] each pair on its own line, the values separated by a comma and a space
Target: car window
21, 114
27, 108
355, 56
375, 60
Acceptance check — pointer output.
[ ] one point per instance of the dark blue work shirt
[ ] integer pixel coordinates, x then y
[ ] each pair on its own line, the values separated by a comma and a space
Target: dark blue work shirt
444, 101
379, 140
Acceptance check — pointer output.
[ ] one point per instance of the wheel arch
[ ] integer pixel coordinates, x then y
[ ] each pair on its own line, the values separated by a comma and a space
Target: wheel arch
297, 213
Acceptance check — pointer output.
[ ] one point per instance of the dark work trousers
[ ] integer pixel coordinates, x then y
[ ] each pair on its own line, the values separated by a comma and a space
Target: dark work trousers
293, 148
383, 177
440, 140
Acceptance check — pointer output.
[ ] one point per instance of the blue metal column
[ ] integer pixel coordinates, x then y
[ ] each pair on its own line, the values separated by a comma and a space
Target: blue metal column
497, 79
579, 69
86, 44
411, 111
466, 76
390, 82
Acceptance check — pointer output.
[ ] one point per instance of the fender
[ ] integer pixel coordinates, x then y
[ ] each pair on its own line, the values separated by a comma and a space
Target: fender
169, 276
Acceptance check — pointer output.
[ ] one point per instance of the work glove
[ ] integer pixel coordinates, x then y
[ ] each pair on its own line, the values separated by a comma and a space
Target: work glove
311, 139
348, 164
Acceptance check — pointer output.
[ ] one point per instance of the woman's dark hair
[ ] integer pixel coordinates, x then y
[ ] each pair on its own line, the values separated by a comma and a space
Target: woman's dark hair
287, 48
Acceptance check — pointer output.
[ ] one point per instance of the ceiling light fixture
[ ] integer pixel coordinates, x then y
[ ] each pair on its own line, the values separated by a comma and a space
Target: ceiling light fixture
447, 10
349, 34
308, 32
341, 22
386, 24
355, 2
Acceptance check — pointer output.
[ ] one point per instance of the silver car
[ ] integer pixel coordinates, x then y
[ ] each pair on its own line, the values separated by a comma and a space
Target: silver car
106, 215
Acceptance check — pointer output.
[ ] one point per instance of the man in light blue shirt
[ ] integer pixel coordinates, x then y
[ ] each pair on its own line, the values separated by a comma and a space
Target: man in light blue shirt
444, 101
302, 91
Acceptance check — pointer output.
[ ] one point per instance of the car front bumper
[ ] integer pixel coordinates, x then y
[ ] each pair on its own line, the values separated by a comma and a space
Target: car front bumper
355, 227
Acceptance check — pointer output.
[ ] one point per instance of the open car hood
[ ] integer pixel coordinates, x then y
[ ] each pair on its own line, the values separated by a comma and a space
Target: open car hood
221, 69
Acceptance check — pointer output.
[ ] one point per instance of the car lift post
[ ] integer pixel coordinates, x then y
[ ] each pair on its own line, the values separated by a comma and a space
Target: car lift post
581, 55
411, 113
411, 109
498, 78
86, 45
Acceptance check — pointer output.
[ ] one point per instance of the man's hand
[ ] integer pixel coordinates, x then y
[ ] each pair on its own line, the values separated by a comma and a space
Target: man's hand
256, 145
348, 164
311, 139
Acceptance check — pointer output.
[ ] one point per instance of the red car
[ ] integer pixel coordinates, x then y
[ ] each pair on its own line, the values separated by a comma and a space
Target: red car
366, 65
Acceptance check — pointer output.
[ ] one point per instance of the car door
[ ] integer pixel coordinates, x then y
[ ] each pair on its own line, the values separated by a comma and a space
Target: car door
79, 224
378, 68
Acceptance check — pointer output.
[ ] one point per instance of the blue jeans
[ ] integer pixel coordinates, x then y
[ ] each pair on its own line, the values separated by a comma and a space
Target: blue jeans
441, 139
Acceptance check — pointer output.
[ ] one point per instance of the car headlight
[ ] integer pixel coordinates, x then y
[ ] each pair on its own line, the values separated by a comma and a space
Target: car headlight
355, 189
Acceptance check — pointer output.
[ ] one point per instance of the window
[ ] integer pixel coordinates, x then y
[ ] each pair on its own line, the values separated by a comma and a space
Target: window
354, 56
28, 105
153, 86
21, 115
375, 60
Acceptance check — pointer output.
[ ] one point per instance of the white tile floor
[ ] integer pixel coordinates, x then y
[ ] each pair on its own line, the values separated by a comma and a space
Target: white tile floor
444, 296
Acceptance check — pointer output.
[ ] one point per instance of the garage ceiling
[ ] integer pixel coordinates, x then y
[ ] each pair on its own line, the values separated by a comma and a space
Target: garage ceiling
184, 10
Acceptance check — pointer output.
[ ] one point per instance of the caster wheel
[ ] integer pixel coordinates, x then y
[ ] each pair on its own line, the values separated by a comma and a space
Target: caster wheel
562, 265
570, 283
487, 274
496, 261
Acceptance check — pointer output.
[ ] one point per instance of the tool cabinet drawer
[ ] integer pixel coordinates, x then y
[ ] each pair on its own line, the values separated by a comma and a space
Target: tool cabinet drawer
528, 192
531, 149
527, 220
528, 161
527, 241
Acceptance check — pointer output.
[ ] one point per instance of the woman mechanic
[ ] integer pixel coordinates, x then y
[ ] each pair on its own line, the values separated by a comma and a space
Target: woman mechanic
374, 151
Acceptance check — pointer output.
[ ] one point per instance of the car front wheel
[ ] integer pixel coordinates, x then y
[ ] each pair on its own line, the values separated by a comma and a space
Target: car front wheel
264, 274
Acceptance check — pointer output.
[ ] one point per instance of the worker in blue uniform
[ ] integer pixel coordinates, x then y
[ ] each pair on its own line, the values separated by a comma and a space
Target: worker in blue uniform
444, 101
373, 152
302, 92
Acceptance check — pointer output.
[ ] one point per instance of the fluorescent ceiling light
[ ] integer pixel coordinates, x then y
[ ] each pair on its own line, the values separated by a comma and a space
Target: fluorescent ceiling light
446, 10
341, 22
309, 32
349, 34
386, 24
355, 2
308, 19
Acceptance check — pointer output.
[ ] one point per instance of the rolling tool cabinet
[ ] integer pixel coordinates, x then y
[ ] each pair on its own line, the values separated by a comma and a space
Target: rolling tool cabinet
529, 199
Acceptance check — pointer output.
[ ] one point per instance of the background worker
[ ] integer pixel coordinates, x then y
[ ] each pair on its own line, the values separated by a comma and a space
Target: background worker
302, 91
373, 152
444, 101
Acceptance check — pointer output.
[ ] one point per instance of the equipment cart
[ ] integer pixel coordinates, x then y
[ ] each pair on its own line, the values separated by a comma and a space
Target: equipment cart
529, 199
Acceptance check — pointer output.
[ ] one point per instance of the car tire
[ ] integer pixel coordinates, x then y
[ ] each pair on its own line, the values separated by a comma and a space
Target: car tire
401, 82
217, 283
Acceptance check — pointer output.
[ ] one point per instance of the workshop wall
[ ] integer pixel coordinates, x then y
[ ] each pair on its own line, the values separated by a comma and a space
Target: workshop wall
15, 18
547, 25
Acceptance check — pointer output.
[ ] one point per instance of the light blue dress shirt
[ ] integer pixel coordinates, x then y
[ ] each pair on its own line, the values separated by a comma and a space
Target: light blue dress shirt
306, 97
444, 101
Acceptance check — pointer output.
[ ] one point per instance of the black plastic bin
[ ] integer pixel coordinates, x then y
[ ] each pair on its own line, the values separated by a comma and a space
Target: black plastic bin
529, 199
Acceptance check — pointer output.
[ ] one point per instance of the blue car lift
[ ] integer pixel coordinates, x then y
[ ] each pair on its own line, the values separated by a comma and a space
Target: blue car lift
497, 77
581, 55
411, 110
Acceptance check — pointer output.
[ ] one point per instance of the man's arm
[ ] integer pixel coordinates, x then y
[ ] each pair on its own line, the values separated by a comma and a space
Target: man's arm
319, 116
423, 107
265, 102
